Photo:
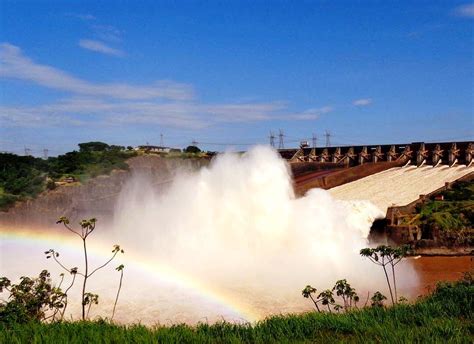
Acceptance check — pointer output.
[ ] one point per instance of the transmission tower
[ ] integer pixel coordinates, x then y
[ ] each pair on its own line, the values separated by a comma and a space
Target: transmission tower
161, 140
272, 139
328, 138
315, 140
280, 140
27, 151
45, 153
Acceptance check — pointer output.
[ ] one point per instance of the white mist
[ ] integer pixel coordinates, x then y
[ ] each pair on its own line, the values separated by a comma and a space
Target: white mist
236, 225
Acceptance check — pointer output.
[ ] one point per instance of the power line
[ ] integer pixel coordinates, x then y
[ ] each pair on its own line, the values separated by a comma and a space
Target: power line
272, 139
328, 138
223, 143
315, 140
280, 140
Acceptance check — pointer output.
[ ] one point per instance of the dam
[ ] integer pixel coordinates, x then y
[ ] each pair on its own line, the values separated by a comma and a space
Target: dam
408, 165
417, 153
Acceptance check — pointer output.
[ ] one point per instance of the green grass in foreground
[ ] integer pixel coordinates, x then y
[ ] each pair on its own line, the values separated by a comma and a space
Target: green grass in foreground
444, 317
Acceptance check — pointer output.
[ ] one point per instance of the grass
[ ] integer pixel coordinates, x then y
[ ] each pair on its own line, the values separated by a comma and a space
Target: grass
455, 212
451, 219
446, 316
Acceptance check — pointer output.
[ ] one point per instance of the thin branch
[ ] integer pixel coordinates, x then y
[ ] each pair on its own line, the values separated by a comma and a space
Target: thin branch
315, 303
103, 265
72, 230
389, 286
65, 293
398, 261
88, 309
118, 293
89, 231
365, 304
61, 265
62, 279
374, 261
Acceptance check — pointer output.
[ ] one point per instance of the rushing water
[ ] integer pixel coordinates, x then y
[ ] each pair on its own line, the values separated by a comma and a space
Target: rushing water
230, 241
400, 185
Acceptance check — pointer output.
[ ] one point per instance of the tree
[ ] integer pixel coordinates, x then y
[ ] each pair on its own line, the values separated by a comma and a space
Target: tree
348, 294
192, 149
87, 227
116, 148
327, 298
385, 255
377, 299
93, 146
31, 299
307, 291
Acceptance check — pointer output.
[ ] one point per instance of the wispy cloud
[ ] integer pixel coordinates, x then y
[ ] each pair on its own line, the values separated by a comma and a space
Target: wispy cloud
166, 104
100, 47
310, 114
362, 102
183, 115
15, 65
107, 33
466, 10
82, 16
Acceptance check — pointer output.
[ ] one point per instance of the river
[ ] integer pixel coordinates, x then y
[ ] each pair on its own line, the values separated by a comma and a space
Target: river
431, 270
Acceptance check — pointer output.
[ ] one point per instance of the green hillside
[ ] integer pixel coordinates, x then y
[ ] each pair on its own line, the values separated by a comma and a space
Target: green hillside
24, 177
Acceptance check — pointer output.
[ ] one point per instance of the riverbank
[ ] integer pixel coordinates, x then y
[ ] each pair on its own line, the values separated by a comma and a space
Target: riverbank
443, 252
445, 316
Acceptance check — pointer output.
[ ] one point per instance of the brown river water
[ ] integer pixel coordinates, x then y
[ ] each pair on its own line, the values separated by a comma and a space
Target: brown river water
431, 270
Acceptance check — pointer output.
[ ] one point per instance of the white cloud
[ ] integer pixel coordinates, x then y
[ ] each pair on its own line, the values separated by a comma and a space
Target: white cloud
183, 115
100, 47
82, 16
362, 102
107, 32
466, 10
15, 65
310, 114
166, 104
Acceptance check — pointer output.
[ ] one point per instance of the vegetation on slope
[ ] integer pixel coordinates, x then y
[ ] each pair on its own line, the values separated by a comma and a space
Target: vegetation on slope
449, 216
454, 212
446, 316
23, 177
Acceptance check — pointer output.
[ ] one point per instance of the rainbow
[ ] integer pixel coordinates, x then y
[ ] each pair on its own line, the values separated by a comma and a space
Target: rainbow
45, 240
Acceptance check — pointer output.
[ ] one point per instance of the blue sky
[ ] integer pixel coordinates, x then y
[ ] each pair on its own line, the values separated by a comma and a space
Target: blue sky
227, 73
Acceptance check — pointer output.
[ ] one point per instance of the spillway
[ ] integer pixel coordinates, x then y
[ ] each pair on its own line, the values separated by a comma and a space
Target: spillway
400, 185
